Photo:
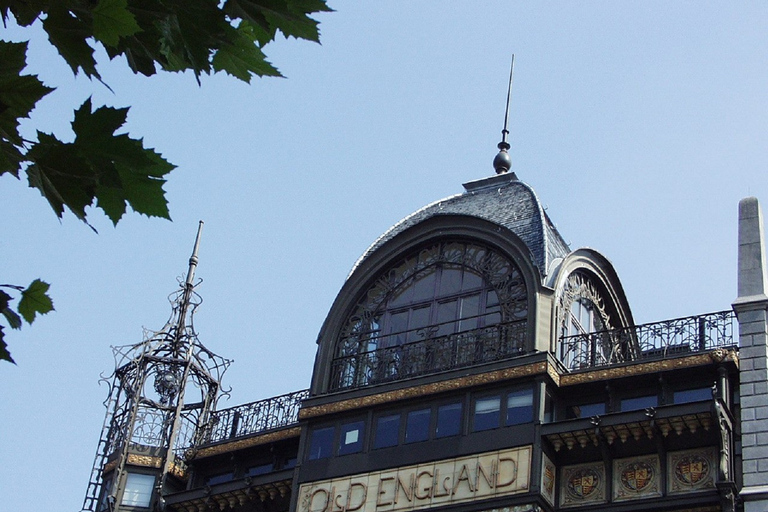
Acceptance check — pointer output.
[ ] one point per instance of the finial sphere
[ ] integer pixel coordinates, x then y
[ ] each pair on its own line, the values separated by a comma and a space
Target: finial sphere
502, 162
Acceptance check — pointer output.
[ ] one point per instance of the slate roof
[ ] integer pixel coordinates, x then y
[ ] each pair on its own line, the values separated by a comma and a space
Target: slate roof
501, 199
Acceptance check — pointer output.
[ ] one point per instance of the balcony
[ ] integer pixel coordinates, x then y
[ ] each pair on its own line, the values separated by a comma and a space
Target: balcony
255, 417
659, 340
428, 355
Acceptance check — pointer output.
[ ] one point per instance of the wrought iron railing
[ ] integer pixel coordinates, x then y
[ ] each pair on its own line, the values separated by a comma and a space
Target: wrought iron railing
242, 420
429, 355
657, 340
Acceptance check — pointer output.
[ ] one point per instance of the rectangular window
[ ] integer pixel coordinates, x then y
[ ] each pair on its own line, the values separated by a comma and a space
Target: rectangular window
321, 443
351, 439
290, 463
585, 410
692, 395
639, 403
417, 425
261, 469
387, 431
448, 420
138, 490
487, 413
520, 406
220, 478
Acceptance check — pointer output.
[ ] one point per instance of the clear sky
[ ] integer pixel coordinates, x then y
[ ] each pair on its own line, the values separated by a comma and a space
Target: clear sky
639, 124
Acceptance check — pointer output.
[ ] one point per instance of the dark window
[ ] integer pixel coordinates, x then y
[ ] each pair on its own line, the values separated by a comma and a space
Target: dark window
692, 395
417, 425
351, 439
639, 403
387, 431
261, 469
487, 413
520, 406
585, 410
321, 443
290, 463
448, 420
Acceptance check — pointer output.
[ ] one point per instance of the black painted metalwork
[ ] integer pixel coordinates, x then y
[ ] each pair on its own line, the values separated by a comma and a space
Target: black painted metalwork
429, 355
657, 340
242, 420
161, 395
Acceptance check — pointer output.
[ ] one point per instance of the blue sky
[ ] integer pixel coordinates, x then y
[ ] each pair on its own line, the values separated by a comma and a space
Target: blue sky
639, 124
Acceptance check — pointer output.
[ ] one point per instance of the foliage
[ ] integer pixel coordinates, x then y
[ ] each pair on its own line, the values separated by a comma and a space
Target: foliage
101, 167
34, 299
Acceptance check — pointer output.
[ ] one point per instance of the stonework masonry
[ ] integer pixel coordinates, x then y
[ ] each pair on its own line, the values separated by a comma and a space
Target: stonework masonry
751, 307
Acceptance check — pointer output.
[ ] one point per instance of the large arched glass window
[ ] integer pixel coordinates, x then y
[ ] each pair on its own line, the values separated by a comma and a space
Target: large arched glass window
446, 305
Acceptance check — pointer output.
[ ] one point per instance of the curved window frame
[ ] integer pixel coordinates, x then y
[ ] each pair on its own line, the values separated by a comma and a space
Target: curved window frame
445, 297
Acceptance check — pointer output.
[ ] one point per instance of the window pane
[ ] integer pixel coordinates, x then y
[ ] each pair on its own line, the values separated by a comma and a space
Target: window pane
220, 478
448, 420
261, 469
450, 281
138, 490
446, 312
487, 413
398, 323
520, 407
417, 425
471, 281
424, 287
387, 431
639, 403
351, 439
402, 296
692, 395
419, 320
585, 410
470, 308
290, 463
321, 443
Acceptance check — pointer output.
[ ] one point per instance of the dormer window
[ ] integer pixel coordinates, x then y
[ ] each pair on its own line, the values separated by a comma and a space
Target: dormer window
448, 305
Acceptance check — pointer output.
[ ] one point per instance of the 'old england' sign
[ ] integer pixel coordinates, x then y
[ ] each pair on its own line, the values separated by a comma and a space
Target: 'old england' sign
427, 485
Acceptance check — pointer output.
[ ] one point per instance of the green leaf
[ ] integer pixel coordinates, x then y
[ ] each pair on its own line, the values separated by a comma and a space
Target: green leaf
69, 34
91, 126
10, 159
18, 96
4, 354
291, 17
25, 11
61, 175
35, 300
112, 20
13, 319
242, 58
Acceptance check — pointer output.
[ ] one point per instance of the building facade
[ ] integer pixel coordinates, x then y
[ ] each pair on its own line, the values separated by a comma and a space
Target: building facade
472, 361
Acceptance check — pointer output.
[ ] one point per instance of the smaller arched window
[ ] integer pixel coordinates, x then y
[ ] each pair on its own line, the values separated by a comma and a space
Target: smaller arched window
584, 324
446, 305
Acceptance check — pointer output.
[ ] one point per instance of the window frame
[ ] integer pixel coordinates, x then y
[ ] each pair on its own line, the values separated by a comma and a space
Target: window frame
504, 395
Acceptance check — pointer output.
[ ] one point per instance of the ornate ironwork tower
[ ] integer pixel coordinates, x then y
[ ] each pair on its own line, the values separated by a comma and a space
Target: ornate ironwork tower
161, 395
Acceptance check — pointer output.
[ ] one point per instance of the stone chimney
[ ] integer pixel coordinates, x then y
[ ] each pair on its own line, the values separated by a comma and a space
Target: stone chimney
751, 308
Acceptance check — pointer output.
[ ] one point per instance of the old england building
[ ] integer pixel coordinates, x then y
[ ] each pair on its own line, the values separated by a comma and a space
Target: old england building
472, 361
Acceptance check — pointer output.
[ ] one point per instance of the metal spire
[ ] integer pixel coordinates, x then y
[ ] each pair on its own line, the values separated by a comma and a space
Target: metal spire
502, 163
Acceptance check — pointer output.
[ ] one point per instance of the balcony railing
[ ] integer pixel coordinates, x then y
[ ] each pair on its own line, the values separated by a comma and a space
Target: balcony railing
429, 355
246, 419
658, 340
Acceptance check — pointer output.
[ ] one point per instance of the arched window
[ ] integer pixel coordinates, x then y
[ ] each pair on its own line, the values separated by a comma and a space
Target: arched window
446, 305
584, 324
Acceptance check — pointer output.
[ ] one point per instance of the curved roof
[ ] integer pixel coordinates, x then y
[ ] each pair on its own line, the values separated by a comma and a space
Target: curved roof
501, 199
